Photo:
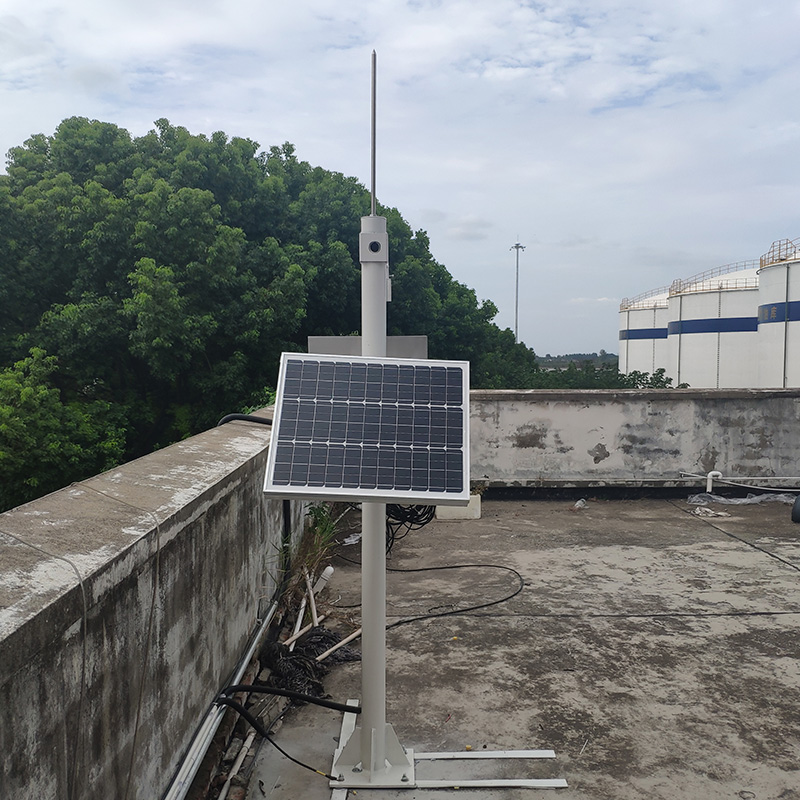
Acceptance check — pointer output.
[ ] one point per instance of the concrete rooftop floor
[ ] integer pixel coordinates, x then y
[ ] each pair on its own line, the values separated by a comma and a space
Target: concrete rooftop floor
656, 652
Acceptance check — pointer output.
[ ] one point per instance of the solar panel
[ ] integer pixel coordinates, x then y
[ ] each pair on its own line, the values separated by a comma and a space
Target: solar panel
368, 428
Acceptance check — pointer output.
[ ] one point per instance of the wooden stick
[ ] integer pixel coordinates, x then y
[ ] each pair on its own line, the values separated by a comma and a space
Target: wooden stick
311, 602
353, 635
299, 621
295, 636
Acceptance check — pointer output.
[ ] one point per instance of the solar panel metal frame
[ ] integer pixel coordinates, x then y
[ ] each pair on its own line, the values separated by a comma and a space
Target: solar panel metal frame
398, 426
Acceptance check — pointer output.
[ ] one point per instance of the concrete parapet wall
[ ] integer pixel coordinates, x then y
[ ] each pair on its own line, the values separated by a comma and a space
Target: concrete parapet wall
178, 554
539, 438
104, 678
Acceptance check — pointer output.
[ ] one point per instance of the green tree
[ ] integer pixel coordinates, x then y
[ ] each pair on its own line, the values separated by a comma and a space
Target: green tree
44, 442
97, 151
166, 273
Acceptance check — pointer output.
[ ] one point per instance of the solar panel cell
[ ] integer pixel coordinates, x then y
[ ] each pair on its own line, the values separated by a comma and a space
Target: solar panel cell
370, 428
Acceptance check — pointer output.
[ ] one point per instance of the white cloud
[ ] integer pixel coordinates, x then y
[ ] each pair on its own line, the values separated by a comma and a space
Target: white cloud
594, 300
625, 143
470, 228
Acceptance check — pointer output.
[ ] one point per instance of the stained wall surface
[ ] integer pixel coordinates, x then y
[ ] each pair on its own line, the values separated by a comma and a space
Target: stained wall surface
104, 679
631, 438
126, 600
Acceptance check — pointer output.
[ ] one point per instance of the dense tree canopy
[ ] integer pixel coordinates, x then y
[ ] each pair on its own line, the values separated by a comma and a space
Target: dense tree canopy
148, 286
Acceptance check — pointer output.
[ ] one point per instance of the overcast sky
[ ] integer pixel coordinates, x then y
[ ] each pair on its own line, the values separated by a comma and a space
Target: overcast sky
624, 143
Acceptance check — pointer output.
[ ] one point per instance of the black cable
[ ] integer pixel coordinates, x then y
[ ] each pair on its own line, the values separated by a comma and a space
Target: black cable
580, 616
285, 568
270, 731
414, 516
659, 615
447, 566
737, 538
774, 489
318, 701
455, 612
400, 520
244, 418
262, 731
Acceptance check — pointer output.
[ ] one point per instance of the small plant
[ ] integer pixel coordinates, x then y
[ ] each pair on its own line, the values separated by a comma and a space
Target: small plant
318, 540
320, 534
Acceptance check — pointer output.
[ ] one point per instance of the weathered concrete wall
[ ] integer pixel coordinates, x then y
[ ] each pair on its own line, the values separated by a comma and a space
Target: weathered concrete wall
178, 553
631, 438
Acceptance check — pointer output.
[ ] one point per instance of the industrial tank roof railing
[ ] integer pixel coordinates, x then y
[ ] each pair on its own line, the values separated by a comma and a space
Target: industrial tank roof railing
704, 281
781, 250
701, 282
628, 303
686, 287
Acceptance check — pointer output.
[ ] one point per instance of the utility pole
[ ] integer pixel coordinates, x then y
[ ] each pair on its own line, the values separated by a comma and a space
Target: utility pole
517, 247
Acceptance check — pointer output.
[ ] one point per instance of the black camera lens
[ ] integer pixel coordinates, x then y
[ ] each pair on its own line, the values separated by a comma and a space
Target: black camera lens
375, 247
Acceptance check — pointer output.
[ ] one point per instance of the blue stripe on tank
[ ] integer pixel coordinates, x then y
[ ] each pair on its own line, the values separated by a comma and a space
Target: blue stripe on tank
779, 312
714, 325
643, 333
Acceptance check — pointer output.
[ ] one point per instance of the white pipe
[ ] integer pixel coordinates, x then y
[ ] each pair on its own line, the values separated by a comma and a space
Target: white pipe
761, 478
211, 721
248, 742
719, 476
710, 479
208, 727
317, 588
323, 579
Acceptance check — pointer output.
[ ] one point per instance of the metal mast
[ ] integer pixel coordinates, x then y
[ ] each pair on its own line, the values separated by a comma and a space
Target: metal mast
373, 170
373, 756
517, 247
370, 755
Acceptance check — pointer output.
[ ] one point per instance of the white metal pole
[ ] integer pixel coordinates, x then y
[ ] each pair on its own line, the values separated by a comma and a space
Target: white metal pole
516, 303
374, 253
373, 128
516, 247
373, 526
372, 756
373, 288
373, 644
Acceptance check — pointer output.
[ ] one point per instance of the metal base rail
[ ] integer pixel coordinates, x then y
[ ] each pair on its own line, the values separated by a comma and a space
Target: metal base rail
364, 780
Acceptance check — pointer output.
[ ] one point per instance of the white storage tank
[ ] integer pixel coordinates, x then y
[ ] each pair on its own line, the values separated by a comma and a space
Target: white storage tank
713, 337
643, 332
779, 316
